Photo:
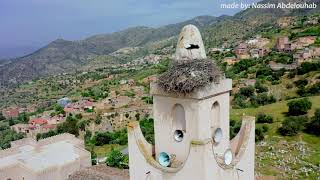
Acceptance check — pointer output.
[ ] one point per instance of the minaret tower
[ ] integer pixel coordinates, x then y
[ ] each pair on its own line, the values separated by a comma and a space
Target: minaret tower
191, 122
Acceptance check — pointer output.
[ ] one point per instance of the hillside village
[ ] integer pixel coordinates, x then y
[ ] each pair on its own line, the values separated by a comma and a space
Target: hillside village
270, 68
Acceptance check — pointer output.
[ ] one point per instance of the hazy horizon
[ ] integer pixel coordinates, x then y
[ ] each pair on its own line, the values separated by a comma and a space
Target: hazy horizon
27, 25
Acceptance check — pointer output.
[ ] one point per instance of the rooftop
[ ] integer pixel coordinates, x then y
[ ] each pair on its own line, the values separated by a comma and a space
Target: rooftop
38, 156
101, 172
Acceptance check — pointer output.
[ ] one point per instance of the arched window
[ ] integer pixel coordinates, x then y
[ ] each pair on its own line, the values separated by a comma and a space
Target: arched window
215, 115
179, 118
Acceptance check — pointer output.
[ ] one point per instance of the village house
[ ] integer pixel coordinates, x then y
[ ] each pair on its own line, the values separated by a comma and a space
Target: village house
36, 123
63, 101
69, 110
11, 113
20, 128
88, 105
35, 126
257, 53
282, 43
230, 60
79, 106
242, 51
55, 119
304, 55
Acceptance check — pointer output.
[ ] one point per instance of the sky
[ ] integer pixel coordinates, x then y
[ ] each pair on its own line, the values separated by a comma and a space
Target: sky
26, 25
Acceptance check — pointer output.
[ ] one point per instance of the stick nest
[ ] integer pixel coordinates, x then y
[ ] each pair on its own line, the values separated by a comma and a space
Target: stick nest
185, 77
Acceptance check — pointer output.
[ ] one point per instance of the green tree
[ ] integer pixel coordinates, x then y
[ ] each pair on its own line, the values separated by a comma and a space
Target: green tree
70, 126
247, 91
23, 117
263, 118
116, 159
292, 125
58, 109
102, 138
314, 126
259, 134
299, 107
261, 88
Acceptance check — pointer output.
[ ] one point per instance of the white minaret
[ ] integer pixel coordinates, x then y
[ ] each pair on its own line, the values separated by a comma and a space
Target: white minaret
192, 130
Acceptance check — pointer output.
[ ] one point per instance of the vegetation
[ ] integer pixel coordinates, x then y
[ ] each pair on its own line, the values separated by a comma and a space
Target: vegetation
293, 125
116, 159
263, 118
299, 107
313, 127
7, 135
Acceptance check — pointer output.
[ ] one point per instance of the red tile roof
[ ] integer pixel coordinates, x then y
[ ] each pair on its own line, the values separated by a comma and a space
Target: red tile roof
38, 121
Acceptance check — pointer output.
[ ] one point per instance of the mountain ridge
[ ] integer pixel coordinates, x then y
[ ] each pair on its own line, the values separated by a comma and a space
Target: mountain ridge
62, 56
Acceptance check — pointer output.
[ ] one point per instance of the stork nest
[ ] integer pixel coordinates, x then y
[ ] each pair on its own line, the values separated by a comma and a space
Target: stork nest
185, 77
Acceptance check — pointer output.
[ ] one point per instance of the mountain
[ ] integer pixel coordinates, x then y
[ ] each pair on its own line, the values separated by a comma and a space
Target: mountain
246, 23
62, 56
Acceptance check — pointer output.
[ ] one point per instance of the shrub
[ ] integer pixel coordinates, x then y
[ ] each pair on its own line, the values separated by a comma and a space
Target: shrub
263, 99
299, 107
265, 128
259, 135
314, 126
239, 101
261, 88
263, 118
292, 125
308, 67
116, 159
301, 82
102, 138
247, 91
263, 72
